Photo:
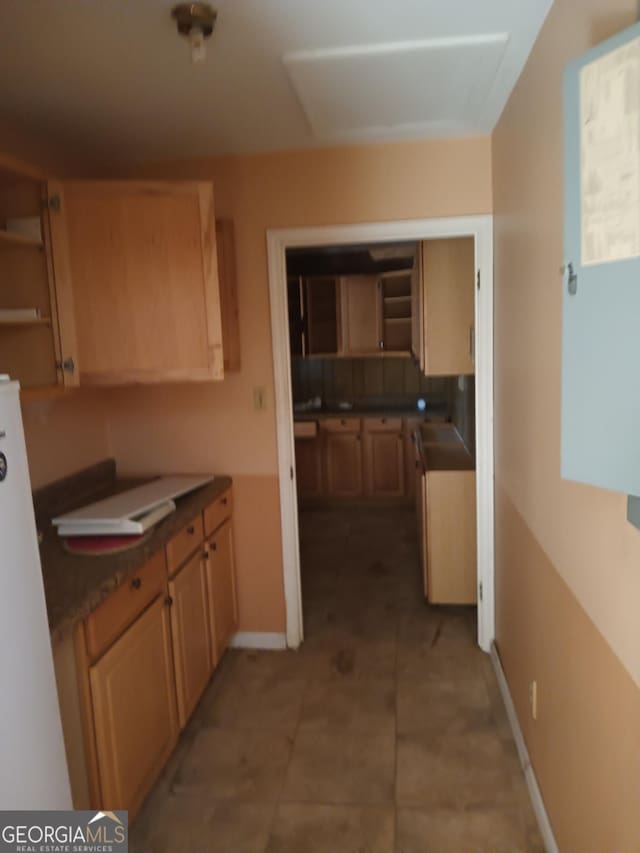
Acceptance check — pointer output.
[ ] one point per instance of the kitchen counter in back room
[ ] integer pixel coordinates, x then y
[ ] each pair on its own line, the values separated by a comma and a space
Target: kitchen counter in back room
75, 584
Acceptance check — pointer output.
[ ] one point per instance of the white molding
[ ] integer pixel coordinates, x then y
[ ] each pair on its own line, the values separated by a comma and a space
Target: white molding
544, 824
258, 640
278, 240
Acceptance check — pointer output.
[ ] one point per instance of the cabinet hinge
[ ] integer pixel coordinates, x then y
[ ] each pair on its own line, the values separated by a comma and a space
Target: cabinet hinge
291, 471
478, 280
54, 203
480, 591
67, 364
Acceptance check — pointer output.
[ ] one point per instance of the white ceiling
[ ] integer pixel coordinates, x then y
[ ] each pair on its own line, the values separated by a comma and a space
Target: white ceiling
111, 79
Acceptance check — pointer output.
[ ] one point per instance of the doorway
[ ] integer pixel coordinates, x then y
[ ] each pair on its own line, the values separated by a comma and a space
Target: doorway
278, 242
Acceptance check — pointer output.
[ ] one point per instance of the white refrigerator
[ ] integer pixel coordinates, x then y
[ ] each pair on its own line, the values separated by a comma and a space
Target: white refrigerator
33, 765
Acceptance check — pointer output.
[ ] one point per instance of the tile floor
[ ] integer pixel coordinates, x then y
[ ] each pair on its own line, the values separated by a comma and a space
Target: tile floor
384, 733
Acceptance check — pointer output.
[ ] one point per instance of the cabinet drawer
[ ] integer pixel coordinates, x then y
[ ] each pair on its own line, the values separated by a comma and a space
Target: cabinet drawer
218, 511
382, 424
117, 612
341, 424
184, 543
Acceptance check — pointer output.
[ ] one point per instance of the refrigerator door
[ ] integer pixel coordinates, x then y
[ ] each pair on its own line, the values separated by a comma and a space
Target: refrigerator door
33, 765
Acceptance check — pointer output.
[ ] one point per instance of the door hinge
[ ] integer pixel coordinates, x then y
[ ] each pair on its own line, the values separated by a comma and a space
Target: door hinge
291, 471
480, 590
67, 364
54, 203
478, 280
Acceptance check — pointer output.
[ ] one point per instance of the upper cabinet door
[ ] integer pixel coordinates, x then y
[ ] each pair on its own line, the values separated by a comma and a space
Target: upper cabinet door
360, 315
143, 265
448, 271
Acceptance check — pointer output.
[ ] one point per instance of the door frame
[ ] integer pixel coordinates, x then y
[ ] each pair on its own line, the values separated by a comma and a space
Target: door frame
281, 239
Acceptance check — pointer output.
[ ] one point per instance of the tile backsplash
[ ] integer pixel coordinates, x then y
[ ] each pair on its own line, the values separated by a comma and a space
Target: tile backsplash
357, 380
396, 381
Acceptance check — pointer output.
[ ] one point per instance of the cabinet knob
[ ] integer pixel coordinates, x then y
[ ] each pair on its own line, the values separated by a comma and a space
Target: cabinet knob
224, 501
213, 546
191, 529
168, 601
136, 583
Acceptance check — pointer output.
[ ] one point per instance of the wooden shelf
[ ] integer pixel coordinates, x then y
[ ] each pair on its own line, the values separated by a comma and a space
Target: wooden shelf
397, 319
10, 239
38, 321
394, 299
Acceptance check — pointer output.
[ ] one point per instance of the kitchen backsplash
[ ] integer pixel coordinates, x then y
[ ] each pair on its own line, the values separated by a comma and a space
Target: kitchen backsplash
358, 380
464, 410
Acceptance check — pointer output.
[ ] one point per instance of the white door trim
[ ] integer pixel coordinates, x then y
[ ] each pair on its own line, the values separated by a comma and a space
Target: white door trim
278, 241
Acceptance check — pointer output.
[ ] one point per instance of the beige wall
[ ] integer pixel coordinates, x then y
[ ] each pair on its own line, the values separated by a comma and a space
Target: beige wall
568, 578
214, 427
64, 435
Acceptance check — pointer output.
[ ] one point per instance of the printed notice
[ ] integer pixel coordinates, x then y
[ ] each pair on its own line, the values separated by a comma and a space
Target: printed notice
610, 156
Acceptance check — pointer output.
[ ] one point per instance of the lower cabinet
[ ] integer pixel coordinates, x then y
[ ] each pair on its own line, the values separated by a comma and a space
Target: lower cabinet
308, 467
192, 652
221, 587
144, 657
384, 457
451, 554
343, 460
351, 458
134, 709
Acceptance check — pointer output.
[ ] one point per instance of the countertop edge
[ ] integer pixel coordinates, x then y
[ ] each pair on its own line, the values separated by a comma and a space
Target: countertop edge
62, 623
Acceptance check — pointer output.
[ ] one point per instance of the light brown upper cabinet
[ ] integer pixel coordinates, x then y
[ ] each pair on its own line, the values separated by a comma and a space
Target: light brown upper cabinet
226, 251
320, 315
145, 280
37, 327
448, 283
360, 324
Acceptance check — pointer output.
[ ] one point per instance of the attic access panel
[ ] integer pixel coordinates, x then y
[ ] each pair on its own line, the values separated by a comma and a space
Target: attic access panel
437, 86
600, 442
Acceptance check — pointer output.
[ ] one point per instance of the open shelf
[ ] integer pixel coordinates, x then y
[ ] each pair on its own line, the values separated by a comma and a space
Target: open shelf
395, 299
10, 239
397, 319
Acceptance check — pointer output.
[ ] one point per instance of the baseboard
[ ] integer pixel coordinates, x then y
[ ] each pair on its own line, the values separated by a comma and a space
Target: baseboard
544, 824
259, 640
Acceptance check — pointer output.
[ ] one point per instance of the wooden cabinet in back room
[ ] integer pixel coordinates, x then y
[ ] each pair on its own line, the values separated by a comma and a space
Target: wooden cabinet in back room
384, 457
448, 292
343, 457
145, 280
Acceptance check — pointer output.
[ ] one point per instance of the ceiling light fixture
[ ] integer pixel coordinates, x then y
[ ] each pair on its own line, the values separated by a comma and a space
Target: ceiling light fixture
195, 21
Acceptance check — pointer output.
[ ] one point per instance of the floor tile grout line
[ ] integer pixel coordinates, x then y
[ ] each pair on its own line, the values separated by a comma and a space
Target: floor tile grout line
285, 774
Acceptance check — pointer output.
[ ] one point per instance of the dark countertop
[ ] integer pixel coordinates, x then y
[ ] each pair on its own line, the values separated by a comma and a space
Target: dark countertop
448, 457
440, 448
74, 585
